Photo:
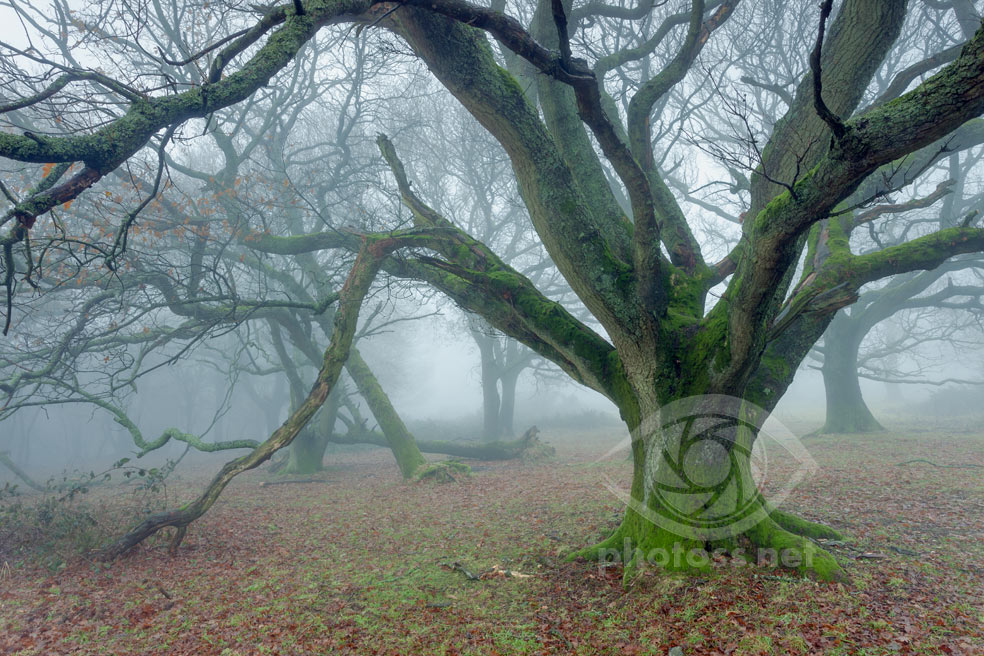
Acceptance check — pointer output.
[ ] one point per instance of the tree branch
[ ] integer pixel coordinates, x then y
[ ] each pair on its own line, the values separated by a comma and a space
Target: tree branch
831, 119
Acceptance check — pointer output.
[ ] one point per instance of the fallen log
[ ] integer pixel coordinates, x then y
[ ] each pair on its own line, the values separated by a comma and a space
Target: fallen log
528, 446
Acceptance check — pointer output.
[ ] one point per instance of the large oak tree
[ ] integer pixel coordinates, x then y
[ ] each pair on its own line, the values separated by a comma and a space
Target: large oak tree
598, 198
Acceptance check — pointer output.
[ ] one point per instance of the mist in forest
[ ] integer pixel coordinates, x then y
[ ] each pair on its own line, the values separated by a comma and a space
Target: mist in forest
433, 376
522, 326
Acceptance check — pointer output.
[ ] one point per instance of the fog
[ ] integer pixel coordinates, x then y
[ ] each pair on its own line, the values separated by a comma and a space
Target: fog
391, 305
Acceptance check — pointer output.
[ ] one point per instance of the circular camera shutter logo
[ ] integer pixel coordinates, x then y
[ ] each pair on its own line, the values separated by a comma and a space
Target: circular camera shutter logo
703, 477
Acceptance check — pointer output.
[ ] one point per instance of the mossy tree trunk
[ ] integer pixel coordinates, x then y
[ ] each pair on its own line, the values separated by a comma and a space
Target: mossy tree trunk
307, 452
666, 349
400, 440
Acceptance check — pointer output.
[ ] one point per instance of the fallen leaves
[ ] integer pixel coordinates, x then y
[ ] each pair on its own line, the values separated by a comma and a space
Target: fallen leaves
364, 563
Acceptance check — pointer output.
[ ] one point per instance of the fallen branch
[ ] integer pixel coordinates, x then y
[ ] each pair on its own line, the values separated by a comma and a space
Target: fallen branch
458, 567
300, 480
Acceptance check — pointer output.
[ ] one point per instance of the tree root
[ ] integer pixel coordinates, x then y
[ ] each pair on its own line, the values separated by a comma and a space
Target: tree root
781, 539
605, 551
804, 527
795, 551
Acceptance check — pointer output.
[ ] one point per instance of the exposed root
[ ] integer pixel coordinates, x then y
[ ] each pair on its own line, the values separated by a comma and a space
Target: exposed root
804, 527
781, 539
795, 551
608, 550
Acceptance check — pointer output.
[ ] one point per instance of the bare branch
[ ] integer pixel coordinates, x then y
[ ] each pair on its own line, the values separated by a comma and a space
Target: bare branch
831, 119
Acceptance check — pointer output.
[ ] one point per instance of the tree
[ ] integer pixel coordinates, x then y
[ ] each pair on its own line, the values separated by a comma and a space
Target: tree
842, 362
642, 273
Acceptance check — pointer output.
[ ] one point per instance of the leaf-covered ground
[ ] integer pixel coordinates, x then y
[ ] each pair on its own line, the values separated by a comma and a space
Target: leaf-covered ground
365, 564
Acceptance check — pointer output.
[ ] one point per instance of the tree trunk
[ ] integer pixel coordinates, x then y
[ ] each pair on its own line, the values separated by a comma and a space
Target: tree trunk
846, 410
307, 452
507, 409
491, 403
694, 493
399, 439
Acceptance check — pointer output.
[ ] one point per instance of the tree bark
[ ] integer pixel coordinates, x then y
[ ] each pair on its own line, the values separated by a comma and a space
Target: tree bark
693, 494
306, 454
491, 401
307, 451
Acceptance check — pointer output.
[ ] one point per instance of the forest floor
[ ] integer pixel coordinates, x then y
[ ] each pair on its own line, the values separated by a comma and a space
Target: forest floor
363, 563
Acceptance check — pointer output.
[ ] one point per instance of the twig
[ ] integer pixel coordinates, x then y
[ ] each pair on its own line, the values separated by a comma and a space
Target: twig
458, 567
930, 462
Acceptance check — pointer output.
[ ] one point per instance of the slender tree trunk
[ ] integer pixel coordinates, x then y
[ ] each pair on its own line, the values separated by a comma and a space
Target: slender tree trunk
307, 452
507, 409
846, 410
491, 402
400, 440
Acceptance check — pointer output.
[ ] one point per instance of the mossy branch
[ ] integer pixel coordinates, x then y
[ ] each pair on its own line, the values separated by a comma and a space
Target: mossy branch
375, 248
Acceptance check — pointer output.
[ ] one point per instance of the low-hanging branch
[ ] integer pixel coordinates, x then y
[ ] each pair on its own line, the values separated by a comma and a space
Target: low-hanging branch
375, 248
